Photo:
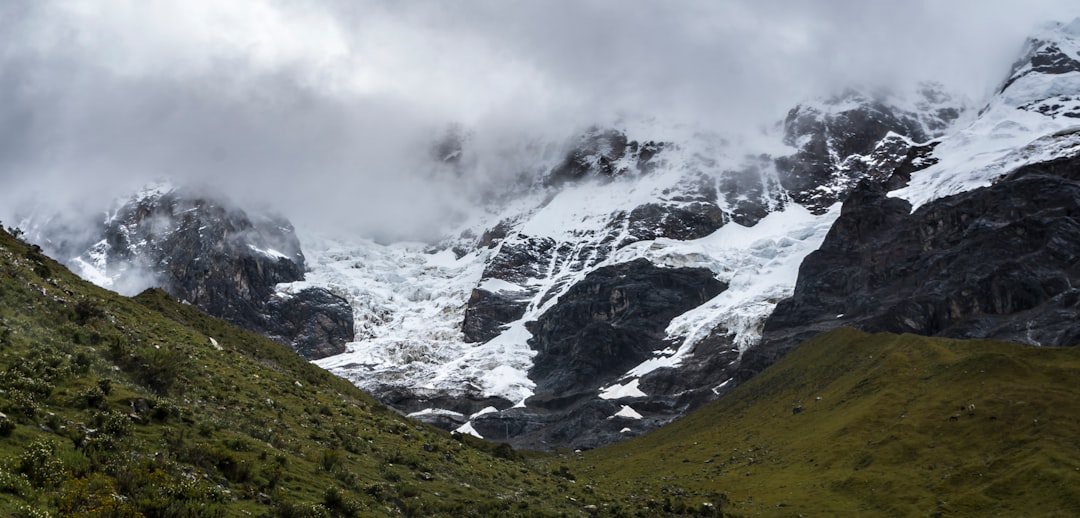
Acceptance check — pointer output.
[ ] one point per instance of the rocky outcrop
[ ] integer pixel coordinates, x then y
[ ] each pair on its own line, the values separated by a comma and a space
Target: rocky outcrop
609, 322
603, 153
315, 322
612, 320
839, 140
997, 262
489, 311
227, 263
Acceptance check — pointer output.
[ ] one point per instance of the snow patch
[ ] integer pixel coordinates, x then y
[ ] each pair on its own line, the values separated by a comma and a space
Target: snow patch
627, 390
467, 428
627, 413
437, 411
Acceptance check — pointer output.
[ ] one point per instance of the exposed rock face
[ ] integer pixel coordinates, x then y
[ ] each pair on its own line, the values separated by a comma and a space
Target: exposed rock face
1000, 261
489, 311
315, 322
603, 153
602, 326
227, 263
611, 321
836, 140
519, 259
855, 138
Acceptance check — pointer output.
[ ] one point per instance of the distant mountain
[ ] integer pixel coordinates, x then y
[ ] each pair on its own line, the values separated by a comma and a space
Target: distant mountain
145, 406
996, 258
632, 272
209, 253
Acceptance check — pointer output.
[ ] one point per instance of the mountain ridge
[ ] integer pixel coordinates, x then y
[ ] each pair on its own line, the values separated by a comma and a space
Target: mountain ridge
445, 331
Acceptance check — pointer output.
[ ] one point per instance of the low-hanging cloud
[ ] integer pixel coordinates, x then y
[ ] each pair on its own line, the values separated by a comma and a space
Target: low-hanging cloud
326, 109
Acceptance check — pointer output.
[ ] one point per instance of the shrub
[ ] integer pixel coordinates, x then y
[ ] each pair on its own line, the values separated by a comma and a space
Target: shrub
330, 459
87, 310
113, 423
6, 426
339, 504
93, 496
91, 397
23, 403
563, 472
40, 463
15, 484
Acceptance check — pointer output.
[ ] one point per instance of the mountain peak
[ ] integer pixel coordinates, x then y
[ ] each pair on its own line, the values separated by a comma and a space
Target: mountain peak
1049, 65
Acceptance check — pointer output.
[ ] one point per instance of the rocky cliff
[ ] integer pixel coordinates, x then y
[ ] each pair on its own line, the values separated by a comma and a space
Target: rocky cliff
980, 238
630, 274
220, 258
621, 289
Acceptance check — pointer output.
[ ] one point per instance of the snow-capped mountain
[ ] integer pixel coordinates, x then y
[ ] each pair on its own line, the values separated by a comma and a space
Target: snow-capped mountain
206, 252
629, 274
983, 239
530, 325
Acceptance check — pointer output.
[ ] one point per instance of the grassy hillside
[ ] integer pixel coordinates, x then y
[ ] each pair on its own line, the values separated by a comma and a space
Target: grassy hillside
126, 407
120, 407
851, 423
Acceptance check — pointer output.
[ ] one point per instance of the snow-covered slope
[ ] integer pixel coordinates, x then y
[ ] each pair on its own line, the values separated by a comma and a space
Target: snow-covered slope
1028, 121
440, 331
443, 331
544, 316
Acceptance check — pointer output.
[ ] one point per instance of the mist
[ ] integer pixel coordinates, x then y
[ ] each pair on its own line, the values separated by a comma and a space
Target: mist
327, 110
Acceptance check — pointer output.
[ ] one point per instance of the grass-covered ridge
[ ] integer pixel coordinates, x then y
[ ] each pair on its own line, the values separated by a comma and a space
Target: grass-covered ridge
861, 424
147, 407
126, 407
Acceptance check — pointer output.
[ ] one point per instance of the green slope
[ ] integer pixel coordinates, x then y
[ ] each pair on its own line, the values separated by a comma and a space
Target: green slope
120, 407
127, 407
851, 423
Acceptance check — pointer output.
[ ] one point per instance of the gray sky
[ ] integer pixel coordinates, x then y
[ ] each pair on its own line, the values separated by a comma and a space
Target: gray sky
322, 108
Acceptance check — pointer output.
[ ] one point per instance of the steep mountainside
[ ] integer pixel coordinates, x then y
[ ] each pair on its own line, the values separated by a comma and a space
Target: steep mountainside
998, 261
126, 407
111, 406
217, 257
538, 320
509, 330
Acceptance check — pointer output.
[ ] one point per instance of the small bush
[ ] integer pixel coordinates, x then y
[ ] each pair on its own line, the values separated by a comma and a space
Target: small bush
563, 472
339, 504
91, 397
14, 483
40, 463
87, 310
115, 424
7, 426
93, 496
23, 403
505, 451
330, 459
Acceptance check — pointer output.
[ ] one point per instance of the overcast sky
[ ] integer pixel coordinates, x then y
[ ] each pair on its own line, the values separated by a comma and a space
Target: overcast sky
321, 107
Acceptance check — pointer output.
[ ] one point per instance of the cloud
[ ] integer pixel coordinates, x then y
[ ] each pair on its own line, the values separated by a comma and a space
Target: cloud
324, 109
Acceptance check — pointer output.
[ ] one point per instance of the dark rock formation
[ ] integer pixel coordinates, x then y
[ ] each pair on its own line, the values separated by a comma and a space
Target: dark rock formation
228, 263
997, 262
603, 153
1044, 57
519, 259
611, 321
595, 153
837, 147
488, 312
676, 221
314, 321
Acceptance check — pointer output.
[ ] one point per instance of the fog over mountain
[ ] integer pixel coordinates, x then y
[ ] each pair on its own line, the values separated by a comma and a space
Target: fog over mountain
327, 110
